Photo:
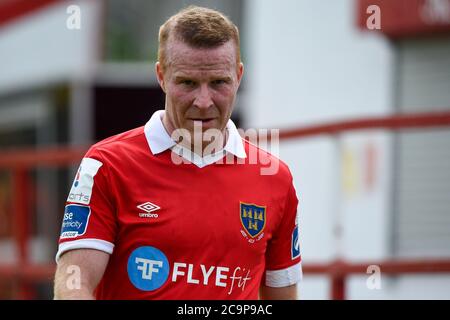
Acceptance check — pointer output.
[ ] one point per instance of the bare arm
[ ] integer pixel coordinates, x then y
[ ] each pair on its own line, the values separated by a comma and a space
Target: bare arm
78, 273
283, 293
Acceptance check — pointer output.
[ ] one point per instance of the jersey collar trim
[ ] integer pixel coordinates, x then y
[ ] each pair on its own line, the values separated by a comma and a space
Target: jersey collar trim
159, 141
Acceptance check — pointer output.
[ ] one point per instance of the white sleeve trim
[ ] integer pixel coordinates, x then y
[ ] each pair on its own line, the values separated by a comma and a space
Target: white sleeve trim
97, 244
284, 277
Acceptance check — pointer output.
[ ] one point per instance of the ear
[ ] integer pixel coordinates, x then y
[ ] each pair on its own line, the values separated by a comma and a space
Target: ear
160, 76
240, 72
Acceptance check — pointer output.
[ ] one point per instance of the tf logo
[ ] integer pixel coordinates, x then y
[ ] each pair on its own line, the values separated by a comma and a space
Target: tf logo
253, 219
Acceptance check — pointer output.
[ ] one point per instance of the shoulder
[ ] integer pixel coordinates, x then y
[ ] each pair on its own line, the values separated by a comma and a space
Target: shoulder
127, 137
268, 164
119, 145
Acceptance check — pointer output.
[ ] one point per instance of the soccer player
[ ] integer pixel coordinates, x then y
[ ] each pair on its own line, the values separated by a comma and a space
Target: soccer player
154, 215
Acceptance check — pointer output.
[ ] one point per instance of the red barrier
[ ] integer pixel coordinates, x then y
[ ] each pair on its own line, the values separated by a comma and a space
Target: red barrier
19, 162
339, 270
407, 121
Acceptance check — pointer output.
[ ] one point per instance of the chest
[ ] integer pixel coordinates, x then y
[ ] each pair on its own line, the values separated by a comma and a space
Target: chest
198, 212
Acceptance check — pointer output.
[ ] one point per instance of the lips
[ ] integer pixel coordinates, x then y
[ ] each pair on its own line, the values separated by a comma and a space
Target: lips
206, 120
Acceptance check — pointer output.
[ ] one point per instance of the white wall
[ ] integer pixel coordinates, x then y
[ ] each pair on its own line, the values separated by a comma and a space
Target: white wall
314, 60
39, 48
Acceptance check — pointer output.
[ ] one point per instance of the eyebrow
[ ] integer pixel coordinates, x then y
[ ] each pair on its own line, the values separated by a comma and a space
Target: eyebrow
177, 78
215, 77
226, 78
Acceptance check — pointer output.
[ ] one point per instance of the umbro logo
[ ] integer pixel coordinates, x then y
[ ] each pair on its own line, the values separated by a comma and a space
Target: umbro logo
148, 207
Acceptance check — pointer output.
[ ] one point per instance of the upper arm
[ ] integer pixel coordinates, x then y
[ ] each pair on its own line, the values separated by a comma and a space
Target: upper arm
79, 272
283, 293
88, 229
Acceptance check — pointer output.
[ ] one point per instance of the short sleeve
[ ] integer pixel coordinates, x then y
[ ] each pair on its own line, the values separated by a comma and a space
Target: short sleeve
89, 220
283, 259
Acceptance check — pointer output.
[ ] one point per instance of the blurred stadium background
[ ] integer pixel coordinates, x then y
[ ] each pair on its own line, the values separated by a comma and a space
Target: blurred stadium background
365, 119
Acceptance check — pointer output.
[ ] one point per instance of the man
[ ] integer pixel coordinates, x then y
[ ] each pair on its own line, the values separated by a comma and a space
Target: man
141, 224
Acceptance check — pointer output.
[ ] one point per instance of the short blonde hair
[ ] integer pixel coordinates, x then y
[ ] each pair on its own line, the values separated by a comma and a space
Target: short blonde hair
199, 28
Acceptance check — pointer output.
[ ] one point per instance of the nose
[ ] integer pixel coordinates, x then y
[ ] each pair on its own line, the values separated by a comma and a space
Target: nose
203, 99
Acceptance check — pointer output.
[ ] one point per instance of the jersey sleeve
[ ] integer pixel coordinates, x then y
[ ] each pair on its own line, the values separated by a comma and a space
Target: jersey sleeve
89, 220
283, 259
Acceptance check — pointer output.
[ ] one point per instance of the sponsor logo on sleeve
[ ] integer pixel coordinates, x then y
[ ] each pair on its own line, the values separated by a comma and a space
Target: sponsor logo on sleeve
81, 190
76, 219
295, 247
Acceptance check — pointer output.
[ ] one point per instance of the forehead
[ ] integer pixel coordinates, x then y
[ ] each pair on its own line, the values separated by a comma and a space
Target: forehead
181, 56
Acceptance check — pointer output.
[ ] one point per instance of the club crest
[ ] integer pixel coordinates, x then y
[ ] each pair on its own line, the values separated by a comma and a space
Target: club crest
253, 218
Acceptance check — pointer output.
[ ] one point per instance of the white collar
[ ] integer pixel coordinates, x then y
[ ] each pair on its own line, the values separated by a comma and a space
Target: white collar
159, 141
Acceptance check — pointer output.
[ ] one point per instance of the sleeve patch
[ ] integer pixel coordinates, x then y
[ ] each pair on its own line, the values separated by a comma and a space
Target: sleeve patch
76, 219
295, 244
81, 190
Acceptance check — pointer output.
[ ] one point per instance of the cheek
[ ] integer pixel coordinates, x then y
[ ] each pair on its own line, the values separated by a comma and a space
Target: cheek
225, 97
178, 97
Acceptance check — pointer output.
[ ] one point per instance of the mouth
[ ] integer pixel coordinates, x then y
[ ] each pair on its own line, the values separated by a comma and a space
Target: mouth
203, 121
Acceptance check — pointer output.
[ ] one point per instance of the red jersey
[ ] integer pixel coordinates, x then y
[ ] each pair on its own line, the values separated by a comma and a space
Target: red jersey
199, 229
